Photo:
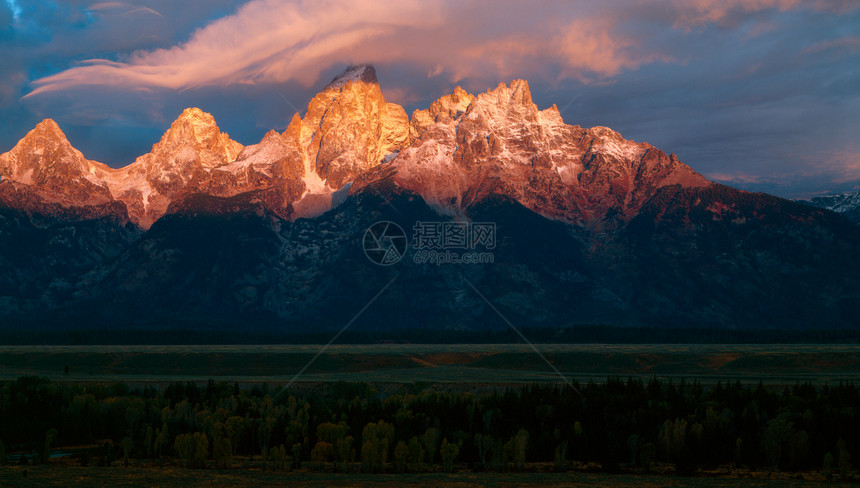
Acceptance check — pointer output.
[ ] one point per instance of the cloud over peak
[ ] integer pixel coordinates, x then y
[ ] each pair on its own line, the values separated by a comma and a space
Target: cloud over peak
719, 82
276, 41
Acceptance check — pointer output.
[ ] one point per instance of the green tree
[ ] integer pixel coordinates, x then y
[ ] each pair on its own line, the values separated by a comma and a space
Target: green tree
673, 439
401, 456
739, 444
431, 443
184, 445
336, 435
633, 443
449, 452
519, 444
321, 453
483, 444
647, 454
193, 449
160, 441
827, 466
222, 452
278, 456
265, 427
498, 458
344, 453
331, 432
416, 454
233, 429
201, 449
844, 460
577, 439
798, 452
296, 451
560, 455
50, 435
776, 435
148, 440
376, 439
127, 445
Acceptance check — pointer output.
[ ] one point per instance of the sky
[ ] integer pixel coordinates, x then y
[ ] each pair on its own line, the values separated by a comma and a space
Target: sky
763, 95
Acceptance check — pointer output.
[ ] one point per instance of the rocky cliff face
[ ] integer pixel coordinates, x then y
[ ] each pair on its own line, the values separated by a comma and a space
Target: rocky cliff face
43, 174
192, 145
348, 129
467, 147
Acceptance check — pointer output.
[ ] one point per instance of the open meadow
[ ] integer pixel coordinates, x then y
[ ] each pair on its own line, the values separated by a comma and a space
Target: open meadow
429, 363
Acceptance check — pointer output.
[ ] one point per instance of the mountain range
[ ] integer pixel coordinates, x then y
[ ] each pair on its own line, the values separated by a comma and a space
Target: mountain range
588, 227
846, 203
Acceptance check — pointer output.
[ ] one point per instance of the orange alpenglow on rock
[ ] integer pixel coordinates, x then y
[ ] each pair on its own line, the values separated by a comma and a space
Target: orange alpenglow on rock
459, 150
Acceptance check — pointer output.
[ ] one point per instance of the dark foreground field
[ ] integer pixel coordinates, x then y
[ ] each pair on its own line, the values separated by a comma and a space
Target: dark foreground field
446, 415
463, 364
63, 476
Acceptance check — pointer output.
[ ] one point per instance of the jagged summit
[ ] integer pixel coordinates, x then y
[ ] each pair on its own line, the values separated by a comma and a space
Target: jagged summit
46, 134
365, 73
348, 129
44, 174
466, 148
460, 150
48, 126
198, 129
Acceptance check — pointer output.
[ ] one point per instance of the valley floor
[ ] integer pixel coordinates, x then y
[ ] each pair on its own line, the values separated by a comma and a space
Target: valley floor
452, 365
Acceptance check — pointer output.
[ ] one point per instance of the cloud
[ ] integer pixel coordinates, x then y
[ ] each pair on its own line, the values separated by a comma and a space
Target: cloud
121, 8
692, 13
845, 164
15, 9
848, 43
262, 41
760, 89
274, 41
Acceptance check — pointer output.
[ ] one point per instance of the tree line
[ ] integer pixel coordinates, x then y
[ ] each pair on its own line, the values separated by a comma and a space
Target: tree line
353, 426
23, 333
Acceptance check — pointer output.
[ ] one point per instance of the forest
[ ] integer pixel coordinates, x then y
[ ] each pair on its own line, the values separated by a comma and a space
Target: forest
354, 427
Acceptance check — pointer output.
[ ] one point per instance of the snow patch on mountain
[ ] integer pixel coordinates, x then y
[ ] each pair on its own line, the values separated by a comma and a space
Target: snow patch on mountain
846, 203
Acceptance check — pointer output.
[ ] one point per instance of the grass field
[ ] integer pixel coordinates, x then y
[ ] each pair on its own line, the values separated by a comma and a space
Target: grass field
150, 476
408, 363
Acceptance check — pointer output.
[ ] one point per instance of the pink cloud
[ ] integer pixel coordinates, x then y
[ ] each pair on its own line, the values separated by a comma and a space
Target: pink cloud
837, 166
273, 41
276, 41
689, 13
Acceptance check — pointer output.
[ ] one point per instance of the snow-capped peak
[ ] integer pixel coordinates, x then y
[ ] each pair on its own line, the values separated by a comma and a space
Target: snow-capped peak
363, 73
